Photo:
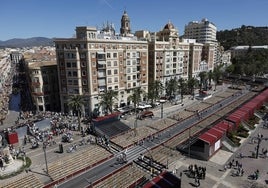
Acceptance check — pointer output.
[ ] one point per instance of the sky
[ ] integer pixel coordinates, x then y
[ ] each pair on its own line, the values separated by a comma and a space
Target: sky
59, 18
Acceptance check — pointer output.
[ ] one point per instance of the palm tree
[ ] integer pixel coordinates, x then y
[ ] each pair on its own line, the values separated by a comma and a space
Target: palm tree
154, 91
203, 79
217, 74
182, 87
210, 77
171, 87
107, 100
192, 83
76, 102
136, 98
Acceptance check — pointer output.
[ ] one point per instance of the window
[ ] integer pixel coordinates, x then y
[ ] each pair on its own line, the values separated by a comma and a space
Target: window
128, 70
83, 73
128, 62
115, 55
83, 64
115, 71
75, 73
109, 72
115, 79
128, 77
75, 82
83, 55
109, 80
115, 63
93, 64
93, 55
108, 63
68, 65
84, 82
108, 55
74, 64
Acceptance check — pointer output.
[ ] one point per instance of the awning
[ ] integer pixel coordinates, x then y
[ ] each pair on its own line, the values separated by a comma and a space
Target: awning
212, 135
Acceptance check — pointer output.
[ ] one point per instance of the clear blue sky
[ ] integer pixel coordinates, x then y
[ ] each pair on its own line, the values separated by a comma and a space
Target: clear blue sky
58, 18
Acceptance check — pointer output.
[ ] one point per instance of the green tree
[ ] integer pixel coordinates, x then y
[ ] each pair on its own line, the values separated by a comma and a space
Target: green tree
136, 97
107, 100
171, 87
192, 83
203, 80
217, 74
154, 91
182, 88
76, 103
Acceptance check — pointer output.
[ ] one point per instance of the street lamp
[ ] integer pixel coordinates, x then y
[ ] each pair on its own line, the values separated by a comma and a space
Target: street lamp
189, 149
45, 154
162, 102
258, 147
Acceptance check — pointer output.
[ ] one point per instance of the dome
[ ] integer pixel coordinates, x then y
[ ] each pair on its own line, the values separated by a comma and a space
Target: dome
169, 26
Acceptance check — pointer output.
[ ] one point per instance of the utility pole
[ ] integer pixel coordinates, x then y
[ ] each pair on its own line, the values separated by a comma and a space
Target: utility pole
45, 154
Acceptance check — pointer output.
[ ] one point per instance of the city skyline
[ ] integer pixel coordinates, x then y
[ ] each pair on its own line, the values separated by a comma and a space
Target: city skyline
34, 18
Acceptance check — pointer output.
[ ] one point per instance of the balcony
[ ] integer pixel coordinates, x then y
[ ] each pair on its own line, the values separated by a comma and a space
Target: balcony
38, 93
35, 84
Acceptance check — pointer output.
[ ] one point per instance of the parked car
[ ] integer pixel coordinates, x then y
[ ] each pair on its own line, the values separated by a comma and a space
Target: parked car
145, 114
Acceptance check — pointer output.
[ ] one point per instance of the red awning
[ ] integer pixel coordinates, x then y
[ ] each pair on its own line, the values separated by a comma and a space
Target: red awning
211, 136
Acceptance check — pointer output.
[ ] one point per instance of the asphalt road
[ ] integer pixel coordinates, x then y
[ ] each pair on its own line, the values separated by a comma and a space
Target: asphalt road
108, 167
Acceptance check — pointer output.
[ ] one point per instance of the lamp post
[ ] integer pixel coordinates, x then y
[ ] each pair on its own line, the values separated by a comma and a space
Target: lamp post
258, 147
45, 154
189, 149
162, 103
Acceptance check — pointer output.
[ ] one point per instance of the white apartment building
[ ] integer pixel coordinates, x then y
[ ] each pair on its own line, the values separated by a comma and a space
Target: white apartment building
203, 31
99, 60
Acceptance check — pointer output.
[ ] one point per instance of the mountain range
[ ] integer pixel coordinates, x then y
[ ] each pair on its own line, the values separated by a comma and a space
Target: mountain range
29, 42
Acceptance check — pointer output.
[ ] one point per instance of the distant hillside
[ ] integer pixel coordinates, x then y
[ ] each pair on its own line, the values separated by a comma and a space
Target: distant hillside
34, 41
246, 35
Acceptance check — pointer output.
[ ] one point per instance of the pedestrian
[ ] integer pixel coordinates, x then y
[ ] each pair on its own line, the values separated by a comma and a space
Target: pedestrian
1, 164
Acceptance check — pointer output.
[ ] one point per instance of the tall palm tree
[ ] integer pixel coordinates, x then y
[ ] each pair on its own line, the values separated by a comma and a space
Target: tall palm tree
217, 74
182, 88
76, 103
135, 97
210, 77
154, 91
191, 84
171, 87
203, 79
107, 100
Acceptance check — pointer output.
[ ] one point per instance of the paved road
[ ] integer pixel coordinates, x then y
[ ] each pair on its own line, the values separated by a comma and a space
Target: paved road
135, 151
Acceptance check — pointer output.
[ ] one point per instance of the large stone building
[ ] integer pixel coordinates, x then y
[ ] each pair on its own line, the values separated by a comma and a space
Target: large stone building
44, 88
99, 60
170, 57
203, 31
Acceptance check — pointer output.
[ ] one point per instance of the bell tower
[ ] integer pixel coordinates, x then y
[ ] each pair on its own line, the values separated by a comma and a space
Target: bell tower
125, 25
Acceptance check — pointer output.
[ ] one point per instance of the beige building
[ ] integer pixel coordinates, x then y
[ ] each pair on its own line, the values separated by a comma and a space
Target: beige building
99, 60
170, 57
43, 81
